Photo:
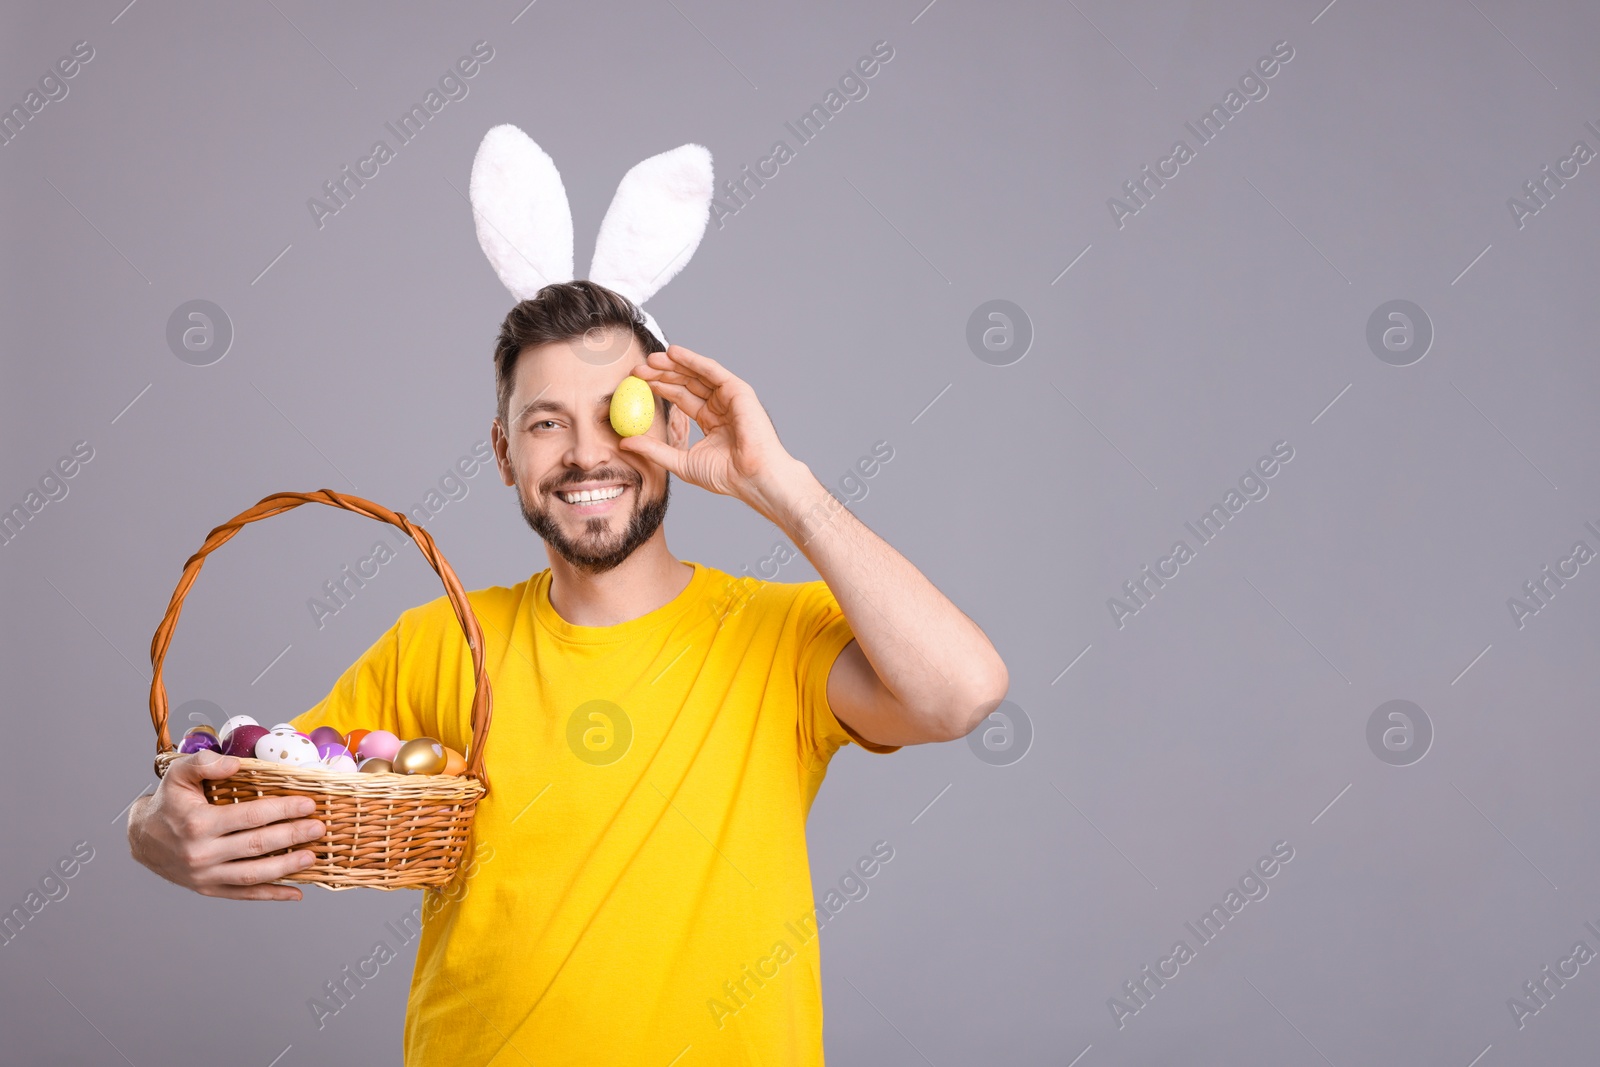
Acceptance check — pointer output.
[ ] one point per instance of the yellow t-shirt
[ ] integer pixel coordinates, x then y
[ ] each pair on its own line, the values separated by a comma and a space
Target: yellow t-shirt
639, 891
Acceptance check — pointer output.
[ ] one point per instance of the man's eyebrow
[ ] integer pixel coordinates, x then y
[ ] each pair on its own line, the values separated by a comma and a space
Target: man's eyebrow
553, 406
537, 404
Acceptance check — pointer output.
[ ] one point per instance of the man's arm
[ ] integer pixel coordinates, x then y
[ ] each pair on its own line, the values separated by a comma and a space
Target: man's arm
919, 670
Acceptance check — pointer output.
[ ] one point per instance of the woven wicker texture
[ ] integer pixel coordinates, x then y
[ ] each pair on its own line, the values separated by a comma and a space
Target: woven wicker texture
384, 831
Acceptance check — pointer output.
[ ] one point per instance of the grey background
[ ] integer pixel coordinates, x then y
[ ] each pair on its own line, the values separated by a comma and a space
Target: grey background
1224, 317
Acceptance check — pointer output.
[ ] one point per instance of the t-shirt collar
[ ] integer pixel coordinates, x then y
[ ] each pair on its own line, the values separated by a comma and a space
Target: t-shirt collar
545, 613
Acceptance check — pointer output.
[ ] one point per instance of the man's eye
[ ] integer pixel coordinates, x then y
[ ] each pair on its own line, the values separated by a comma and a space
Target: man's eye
543, 422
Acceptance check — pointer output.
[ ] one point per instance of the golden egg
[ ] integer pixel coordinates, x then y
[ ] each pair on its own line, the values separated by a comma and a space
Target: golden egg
376, 766
633, 407
420, 755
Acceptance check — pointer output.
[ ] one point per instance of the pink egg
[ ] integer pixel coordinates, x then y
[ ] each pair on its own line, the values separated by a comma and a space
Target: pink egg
379, 744
339, 763
326, 735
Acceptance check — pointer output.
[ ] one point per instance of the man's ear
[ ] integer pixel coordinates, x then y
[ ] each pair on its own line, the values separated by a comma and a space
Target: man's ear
502, 458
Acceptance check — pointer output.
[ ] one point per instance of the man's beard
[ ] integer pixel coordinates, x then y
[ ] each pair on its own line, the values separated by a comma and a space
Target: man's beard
600, 557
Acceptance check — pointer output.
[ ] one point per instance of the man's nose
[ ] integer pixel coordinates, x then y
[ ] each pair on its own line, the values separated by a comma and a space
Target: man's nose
593, 444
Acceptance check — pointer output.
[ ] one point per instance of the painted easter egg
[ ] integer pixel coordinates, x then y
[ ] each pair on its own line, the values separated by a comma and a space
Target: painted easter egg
420, 755
327, 735
291, 749
241, 740
376, 766
455, 764
633, 407
378, 744
198, 741
232, 725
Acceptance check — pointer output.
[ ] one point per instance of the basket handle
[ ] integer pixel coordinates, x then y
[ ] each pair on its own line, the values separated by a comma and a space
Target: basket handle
482, 700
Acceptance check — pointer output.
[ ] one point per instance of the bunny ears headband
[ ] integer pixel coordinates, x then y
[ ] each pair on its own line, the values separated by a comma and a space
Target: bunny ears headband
649, 234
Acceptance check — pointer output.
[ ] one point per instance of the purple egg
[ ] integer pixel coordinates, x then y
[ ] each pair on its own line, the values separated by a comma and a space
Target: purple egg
242, 741
326, 735
198, 742
331, 750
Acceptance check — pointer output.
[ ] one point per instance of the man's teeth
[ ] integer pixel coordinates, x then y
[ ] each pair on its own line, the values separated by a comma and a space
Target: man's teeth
588, 495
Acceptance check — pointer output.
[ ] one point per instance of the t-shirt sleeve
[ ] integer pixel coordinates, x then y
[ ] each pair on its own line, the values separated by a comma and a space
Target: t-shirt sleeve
415, 681
822, 633
366, 696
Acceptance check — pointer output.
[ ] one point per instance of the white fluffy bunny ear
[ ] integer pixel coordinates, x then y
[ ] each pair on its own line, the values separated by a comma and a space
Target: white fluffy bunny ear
655, 222
520, 207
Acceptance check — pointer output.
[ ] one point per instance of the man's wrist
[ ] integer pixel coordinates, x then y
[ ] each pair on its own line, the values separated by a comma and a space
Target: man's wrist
778, 494
799, 504
135, 827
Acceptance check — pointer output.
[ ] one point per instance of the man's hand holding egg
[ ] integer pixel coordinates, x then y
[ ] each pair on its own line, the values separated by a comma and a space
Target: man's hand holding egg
739, 456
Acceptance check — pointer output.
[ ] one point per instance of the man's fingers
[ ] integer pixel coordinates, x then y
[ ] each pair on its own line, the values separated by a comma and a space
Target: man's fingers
674, 373
251, 813
693, 384
261, 840
255, 872
704, 366
678, 364
655, 451
691, 403
192, 769
254, 892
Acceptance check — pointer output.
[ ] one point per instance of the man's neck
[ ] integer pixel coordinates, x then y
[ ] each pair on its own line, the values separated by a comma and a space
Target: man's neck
649, 578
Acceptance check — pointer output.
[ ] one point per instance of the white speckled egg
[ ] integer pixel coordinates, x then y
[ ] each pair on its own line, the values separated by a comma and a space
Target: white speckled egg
290, 749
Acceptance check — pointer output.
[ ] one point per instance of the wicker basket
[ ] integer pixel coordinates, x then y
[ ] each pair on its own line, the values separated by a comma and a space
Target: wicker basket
384, 831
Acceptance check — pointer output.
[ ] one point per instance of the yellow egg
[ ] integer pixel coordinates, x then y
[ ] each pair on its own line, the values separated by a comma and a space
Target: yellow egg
633, 407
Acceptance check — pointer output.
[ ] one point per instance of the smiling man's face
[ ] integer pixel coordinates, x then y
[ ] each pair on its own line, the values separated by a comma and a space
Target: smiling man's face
591, 502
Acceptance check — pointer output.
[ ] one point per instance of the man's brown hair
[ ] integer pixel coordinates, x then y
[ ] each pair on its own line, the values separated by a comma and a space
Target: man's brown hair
564, 311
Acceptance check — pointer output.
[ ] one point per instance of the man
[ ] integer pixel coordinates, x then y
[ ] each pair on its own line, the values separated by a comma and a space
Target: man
660, 728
